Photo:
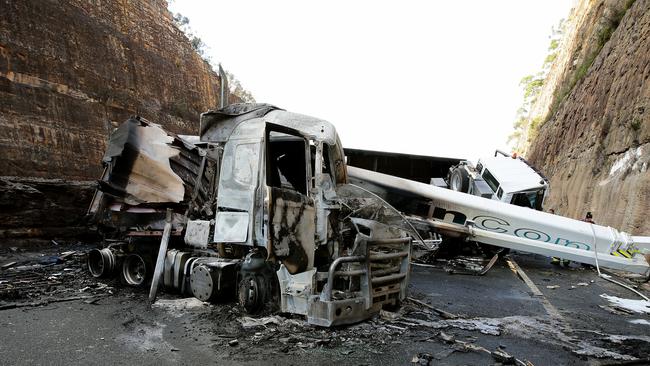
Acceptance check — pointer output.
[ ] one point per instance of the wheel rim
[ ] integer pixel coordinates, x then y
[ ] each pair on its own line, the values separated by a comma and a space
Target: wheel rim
249, 294
455, 182
100, 262
134, 270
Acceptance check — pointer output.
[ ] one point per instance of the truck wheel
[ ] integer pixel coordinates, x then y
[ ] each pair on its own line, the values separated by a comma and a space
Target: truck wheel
459, 180
101, 262
135, 270
252, 293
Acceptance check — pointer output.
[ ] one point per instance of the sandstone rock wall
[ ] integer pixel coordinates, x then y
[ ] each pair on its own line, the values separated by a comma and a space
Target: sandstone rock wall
36, 211
596, 147
72, 70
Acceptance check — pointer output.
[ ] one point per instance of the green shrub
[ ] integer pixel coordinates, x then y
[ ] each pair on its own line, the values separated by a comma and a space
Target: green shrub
550, 58
562, 93
533, 127
603, 36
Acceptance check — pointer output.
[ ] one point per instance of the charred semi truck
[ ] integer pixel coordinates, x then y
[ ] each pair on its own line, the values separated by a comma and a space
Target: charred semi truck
262, 208
257, 208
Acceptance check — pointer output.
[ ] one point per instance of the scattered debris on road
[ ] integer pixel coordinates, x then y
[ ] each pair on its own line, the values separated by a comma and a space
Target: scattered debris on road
37, 280
418, 321
636, 306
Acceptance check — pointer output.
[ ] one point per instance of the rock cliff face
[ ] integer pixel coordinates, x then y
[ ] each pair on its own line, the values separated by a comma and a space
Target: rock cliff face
36, 211
595, 145
71, 70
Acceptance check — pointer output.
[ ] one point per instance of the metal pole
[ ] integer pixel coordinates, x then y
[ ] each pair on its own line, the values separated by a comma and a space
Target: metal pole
160, 262
224, 88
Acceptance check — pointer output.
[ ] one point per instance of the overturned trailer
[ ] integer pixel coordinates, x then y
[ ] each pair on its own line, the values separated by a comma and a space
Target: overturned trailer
258, 209
488, 221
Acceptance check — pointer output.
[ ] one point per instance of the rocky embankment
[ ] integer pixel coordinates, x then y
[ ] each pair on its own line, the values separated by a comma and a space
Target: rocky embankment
595, 144
72, 70
35, 211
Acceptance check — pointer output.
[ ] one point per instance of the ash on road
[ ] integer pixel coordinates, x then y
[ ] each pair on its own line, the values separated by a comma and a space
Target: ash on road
449, 320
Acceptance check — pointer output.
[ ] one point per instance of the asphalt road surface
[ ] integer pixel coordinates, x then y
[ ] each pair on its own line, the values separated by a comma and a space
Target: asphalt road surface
544, 325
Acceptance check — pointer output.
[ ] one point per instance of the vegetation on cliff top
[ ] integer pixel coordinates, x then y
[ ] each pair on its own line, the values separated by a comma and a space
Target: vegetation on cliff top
183, 23
527, 124
603, 34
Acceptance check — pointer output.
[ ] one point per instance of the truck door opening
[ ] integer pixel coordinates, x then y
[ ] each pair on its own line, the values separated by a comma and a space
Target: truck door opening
287, 164
291, 212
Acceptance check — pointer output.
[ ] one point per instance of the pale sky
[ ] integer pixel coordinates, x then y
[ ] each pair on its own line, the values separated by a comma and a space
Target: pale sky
436, 78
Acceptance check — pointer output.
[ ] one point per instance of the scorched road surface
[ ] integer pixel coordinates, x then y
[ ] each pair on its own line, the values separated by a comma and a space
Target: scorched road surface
484, 320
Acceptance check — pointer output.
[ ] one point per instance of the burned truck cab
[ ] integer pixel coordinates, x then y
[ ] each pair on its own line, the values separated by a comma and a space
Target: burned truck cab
270, 214
277, 195
275, 173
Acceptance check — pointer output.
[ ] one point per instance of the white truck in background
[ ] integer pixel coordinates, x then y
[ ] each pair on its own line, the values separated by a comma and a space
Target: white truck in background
505, 225
506, 178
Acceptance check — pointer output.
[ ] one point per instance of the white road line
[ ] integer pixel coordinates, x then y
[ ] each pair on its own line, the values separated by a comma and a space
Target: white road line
550, 309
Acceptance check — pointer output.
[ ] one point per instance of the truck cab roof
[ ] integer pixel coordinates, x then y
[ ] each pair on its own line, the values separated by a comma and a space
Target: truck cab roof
230, 121
513, 174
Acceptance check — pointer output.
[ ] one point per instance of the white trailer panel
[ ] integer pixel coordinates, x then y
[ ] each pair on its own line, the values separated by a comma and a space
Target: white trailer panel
520, 228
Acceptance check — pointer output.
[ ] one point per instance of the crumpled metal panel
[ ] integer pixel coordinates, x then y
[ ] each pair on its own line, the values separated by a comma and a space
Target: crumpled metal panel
138, 153
217, 126
292, 228
233, 120
295, 290
308, 126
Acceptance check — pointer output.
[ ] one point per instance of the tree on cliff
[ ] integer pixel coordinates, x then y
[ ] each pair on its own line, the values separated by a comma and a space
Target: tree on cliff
238, 90
183, 23
526, 124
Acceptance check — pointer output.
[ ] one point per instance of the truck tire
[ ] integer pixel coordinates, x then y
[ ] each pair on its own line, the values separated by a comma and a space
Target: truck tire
459, 180
136, 270
252, 293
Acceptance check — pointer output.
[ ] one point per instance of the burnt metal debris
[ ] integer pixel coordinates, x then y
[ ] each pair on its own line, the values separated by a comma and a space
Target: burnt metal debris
49, 278
255, 225
291, 248
427, 332
257, 209
262, 208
